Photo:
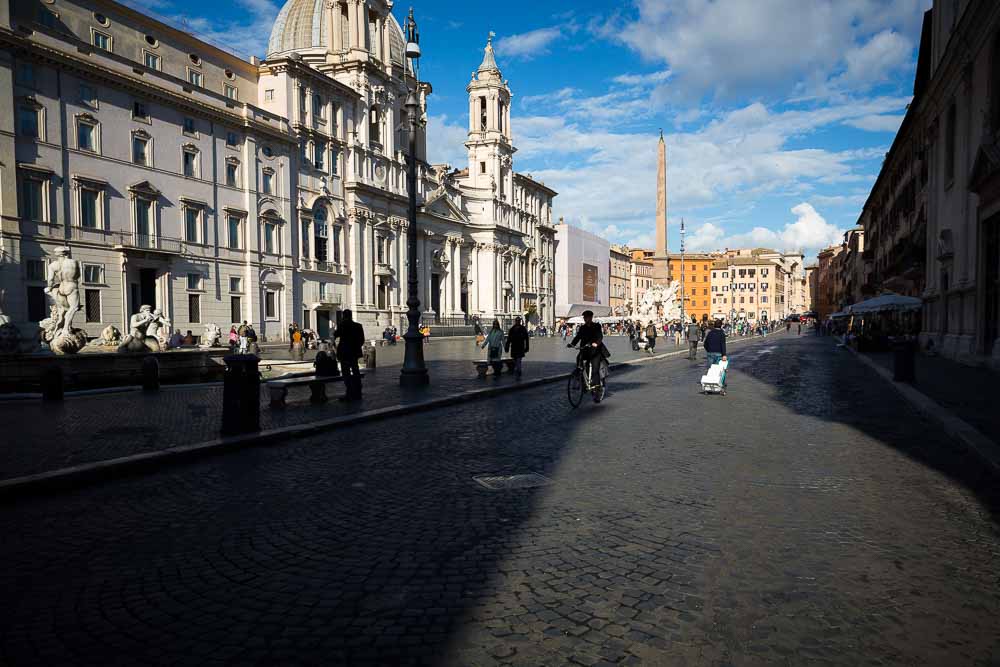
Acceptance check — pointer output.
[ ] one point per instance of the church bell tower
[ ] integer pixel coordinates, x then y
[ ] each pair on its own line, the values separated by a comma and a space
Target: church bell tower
489, 143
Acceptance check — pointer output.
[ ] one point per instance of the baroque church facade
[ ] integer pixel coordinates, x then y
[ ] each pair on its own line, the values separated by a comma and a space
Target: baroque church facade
219, 189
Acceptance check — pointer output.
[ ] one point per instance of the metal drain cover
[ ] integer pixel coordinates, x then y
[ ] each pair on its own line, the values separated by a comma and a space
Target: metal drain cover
508, 482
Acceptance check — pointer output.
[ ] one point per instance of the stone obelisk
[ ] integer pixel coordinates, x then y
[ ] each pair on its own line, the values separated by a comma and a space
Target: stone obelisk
661, 264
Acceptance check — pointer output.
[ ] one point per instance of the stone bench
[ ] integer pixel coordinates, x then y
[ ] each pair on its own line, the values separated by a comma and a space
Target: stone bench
483, 365
317, 385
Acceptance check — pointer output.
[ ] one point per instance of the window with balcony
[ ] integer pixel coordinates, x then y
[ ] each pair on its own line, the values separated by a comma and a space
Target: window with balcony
235, 232
34, 191
270, 238
90, 207
319, 151
143, 210
192, 224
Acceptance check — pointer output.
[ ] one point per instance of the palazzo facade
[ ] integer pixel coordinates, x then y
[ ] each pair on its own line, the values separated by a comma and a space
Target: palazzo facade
219, 189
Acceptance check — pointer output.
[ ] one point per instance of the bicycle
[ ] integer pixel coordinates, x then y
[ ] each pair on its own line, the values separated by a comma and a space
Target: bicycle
579, 381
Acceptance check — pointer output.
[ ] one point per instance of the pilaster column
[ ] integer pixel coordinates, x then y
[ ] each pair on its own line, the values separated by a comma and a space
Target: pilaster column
456, 278
401, 284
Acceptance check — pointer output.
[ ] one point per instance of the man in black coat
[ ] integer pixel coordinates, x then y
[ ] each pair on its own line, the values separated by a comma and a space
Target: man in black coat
350, 337
517, 344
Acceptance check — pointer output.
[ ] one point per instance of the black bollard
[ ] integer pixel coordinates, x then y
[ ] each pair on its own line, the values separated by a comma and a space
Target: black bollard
150, 374
241, 394
52, 384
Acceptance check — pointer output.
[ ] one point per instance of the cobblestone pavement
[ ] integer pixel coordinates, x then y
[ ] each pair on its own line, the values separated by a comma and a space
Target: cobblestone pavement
41, 436
809, 517
968, 391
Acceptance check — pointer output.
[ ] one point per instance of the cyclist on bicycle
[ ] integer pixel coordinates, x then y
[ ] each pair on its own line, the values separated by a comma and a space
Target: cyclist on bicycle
591, 339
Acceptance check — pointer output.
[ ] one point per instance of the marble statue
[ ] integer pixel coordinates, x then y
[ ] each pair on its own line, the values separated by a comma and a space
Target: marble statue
63, 285
110, 336
159, 328
137, 340
212, 337
659, 303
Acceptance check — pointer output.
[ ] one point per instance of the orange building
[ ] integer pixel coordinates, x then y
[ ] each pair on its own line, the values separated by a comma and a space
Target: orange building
696, 279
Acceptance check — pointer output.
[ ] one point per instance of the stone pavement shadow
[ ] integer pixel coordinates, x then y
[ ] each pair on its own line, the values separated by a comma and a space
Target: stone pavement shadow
815, 378
366, 546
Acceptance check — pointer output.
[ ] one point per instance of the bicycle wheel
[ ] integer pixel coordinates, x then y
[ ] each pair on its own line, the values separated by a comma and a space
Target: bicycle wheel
575, 388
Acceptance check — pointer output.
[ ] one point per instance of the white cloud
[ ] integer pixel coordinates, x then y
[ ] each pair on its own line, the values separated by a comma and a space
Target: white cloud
527, 45
642, 79
876, 60
808, 233
237, 37
726, 48
445, 141
876, 123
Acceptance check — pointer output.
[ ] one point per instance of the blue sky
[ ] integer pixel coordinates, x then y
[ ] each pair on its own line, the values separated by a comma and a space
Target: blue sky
776, 113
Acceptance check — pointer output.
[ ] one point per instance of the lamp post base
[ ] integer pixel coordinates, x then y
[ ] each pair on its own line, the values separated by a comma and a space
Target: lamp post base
414, 372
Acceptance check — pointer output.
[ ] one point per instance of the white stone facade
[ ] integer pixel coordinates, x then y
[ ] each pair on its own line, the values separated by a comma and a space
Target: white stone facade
221, 190
582, 272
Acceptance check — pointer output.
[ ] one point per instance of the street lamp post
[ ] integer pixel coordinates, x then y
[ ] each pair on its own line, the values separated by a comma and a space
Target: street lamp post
683, 293
414, 372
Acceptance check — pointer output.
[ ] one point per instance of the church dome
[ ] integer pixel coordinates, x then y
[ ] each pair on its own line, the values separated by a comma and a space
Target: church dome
302, 25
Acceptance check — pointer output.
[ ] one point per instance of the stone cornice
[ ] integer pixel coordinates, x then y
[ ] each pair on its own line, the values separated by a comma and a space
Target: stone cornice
139, 86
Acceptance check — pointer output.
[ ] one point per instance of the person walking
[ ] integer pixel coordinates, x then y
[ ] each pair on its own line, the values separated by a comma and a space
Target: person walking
494, 348
799, 332
292, 328
693, 336
350, 336
715, 350
517, 344
650, 336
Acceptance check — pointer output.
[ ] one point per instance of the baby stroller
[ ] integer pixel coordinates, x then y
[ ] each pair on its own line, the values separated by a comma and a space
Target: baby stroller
714, 381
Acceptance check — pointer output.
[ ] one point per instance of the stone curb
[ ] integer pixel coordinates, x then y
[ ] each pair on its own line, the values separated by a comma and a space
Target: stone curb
965, 434
73, 476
